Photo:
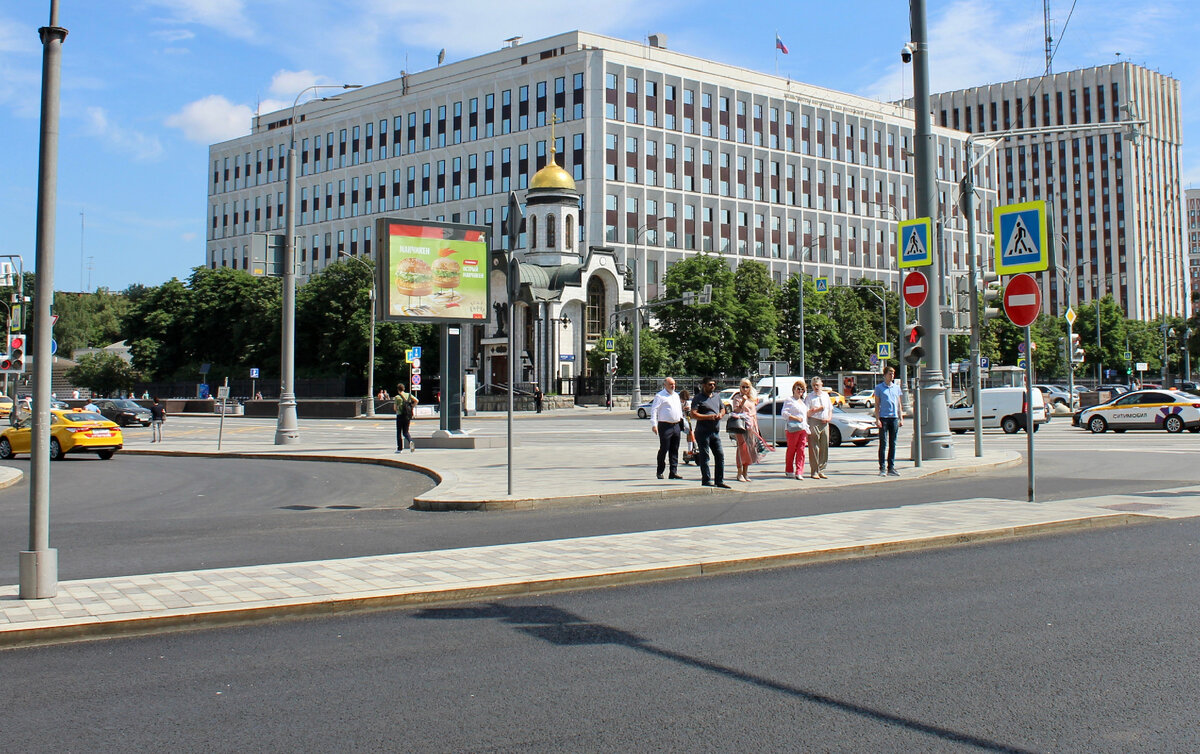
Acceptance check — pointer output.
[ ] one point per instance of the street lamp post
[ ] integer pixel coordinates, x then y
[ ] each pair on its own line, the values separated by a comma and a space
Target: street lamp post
287, 430
638, 276
371, 344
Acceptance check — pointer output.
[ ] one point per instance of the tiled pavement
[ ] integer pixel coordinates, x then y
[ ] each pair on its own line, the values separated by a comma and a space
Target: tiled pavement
133, 604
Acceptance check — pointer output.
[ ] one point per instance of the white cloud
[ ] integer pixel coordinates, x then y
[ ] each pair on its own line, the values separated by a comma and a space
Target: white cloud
173, 35
290, 83
187, 237
135, 143
212, 119
226, 16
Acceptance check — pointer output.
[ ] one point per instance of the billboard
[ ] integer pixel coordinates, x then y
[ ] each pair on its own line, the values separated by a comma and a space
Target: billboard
432, 271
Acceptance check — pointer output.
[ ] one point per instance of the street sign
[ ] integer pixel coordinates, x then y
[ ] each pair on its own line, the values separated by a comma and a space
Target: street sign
873, 360
1142, 366
1020, 348
223, 392
416, 351
1129, 356
1022, 300
779, 367
409, 355
916, 288
416, 363
1021, 363
1021, 238
1070, 316
53, 320
914, 243
610, 344
254, 373
883, 351
566, 357
822, 284
416, 380
985, 362
53, 346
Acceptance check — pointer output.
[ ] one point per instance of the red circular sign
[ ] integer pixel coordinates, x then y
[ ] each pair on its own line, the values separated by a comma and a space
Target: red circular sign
1022, 300
915, 288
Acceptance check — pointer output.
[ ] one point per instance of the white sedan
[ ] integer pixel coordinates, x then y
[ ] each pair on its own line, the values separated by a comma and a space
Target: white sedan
1171, 410
849, 427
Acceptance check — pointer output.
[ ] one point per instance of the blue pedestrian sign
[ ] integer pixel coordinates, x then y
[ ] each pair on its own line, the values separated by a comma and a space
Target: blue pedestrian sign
883, 351
913, 244
822, 284
254, 373
1021, 244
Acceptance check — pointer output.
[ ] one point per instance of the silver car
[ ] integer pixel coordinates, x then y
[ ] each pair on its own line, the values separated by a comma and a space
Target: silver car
859, 429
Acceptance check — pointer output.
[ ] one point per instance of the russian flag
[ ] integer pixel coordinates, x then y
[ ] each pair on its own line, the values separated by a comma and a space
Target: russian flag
779, 45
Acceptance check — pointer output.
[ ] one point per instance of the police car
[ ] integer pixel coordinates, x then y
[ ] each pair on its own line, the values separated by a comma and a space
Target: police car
1171, 410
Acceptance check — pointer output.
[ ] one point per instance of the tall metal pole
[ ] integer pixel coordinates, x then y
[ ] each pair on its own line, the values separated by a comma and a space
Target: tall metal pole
935, 430
38, 570
636, 398
800, 287
1029, 425
967, 199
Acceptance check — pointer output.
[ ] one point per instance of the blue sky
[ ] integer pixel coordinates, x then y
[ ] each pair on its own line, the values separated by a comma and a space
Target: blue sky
148, 84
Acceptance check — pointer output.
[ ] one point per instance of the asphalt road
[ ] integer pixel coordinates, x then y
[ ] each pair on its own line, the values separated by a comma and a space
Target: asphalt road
1074, 643
138, 514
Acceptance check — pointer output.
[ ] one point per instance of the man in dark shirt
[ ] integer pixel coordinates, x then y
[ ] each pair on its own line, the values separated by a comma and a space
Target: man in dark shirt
708, 412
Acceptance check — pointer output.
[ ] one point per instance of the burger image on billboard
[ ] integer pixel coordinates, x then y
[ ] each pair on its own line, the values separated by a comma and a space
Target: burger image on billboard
414, 278
447, 273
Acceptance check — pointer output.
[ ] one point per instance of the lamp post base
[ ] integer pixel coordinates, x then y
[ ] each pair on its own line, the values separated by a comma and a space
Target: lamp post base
287, 431
38, 574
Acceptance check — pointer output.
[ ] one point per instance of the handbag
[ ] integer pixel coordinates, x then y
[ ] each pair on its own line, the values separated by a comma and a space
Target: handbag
736, 425
794, 426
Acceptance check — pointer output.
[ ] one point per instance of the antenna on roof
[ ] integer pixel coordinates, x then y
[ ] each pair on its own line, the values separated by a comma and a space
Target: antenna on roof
514, 41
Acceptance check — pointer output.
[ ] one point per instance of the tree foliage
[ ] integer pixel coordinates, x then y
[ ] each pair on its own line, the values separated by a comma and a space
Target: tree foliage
103, 373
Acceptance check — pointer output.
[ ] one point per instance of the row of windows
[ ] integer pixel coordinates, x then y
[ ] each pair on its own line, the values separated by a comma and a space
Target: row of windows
366, 142
1016, 113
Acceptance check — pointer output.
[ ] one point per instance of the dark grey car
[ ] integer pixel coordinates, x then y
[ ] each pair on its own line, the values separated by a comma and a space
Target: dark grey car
123, 411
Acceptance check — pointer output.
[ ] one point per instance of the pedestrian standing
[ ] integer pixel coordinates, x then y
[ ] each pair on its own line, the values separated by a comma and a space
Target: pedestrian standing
708, 411
795, 413
537, 398
158, 415
820, 413
889, 417
666, 420
685, 402
406, 404
745, 405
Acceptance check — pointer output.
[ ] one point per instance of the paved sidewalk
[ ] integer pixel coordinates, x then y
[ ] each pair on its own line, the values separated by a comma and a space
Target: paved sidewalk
135, 604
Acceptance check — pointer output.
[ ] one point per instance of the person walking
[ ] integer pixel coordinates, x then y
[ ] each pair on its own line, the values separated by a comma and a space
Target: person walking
538, 397
158, 415
666, 419
889, 417
820, 413
707, 411
745, 405
406, 404
795, 413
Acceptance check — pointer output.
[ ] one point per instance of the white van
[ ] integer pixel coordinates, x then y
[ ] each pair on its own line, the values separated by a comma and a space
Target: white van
763, 388
1002, 407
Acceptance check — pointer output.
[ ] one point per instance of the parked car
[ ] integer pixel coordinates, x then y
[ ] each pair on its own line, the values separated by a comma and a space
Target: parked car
1001, 407
643, 411
858, 429
862, 399
727, 397
6, 406
123, 411
1171, 410
70, 432
1056, 394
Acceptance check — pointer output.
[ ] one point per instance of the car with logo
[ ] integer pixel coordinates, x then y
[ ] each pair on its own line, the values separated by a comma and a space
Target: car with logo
862, 399
1171, 410
124, 411
70, 432
856, 428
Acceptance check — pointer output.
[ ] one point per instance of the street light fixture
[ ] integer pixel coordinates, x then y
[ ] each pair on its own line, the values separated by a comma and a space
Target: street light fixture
371, 344
287, 430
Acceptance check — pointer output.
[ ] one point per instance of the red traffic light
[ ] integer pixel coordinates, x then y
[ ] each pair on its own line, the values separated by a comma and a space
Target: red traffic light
15, 342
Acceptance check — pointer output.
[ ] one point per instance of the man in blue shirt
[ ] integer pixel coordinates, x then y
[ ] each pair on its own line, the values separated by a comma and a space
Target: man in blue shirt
889, 417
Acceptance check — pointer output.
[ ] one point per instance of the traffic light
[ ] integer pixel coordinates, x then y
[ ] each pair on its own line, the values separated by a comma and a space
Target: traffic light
1076, 349
612, 362
14, 361
706, 294
914, 350
991, 296
689, 298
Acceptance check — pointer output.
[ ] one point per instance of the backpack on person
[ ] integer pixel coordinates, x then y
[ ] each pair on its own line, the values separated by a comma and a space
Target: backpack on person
406, 406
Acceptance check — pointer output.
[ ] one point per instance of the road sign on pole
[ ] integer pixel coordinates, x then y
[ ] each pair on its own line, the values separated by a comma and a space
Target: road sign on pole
916, 288
1070, 316
1022, 300
1021, 238
914, 248
822, 284
883, 351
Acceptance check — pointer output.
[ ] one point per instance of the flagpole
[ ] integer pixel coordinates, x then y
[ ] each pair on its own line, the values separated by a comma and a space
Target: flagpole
777, 53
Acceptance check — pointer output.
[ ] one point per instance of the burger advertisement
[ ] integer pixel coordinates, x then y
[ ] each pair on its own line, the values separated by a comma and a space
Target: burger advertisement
433, 271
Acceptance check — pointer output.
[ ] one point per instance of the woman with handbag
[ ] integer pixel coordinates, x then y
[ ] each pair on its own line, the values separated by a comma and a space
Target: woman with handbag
795, 413
744, 405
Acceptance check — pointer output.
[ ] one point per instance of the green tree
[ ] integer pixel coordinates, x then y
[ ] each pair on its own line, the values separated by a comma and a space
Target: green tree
657, 359
154, 330
88, 320
702, 336
755, 315
103, 373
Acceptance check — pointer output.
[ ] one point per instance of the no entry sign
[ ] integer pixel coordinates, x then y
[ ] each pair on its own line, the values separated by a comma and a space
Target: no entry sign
916, 288
1022, 300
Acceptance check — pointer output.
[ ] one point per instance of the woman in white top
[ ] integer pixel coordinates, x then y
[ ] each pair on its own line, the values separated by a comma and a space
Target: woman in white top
795, 413
744, 404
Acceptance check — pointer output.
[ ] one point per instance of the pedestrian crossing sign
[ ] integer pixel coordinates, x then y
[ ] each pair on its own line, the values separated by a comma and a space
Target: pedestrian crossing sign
913, 243
822, 284
883, 351
1021, 243
610, 344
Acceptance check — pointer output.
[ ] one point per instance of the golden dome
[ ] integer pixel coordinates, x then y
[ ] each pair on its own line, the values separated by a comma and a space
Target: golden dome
552, 177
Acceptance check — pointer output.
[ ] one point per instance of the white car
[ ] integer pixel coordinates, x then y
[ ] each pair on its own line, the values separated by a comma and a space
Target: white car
1000, 407
862, 399
1171, 410
855, 428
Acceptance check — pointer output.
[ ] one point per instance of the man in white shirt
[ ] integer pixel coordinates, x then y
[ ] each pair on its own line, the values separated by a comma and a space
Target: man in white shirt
665, 416
820, 413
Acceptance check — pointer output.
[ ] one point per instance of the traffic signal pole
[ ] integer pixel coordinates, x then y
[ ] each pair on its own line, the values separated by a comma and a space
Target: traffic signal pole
936, 442
967, 199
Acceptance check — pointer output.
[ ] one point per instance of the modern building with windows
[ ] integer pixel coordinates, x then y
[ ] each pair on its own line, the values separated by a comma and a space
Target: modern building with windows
1113, 187
670, 155
1192, 217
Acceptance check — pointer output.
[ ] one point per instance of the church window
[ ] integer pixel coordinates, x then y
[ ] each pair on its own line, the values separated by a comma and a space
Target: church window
551, 241
533, 231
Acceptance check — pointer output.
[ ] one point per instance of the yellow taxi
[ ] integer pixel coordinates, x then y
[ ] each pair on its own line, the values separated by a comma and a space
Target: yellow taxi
70, 432
6, 406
